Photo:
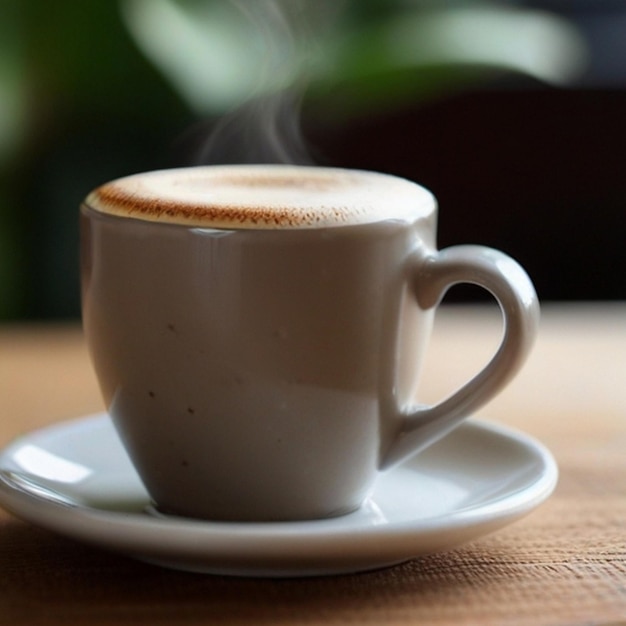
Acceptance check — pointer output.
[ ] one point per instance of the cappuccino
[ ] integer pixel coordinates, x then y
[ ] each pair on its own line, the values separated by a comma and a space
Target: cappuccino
257, 332
263, 196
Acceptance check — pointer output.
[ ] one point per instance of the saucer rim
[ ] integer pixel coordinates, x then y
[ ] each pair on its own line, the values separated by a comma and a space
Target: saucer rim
266, 548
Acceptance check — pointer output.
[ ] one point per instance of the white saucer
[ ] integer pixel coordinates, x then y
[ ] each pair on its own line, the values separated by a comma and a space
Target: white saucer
74, 478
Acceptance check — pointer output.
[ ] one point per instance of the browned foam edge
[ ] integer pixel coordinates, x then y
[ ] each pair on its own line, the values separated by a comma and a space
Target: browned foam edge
111, 199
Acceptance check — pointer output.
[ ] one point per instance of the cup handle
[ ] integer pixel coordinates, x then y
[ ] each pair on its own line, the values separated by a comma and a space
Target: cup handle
510, 285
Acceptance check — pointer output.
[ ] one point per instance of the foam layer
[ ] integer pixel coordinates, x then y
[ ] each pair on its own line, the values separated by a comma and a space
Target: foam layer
262, 196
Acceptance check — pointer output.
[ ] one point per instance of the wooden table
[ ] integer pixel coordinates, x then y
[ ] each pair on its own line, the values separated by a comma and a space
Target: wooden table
563, 564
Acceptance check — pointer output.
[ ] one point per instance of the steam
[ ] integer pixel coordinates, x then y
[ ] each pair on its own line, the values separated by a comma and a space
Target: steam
244, 64
267, 128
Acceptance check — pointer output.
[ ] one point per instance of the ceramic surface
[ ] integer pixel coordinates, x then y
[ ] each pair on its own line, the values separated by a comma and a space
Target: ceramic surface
75, 478
224, 313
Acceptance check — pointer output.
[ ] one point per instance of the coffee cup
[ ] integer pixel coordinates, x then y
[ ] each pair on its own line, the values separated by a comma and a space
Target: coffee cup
257, 332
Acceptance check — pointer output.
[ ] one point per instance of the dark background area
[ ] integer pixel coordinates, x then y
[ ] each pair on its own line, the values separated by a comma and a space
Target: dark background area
535, 169
539, 173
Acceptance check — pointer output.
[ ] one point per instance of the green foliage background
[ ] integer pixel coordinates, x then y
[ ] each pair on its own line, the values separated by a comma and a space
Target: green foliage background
84, 100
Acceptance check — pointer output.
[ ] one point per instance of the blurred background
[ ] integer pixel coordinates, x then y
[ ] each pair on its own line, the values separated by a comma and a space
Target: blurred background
511, 112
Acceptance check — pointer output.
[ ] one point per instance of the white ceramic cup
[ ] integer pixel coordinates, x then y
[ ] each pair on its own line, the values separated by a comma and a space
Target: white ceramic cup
257, 332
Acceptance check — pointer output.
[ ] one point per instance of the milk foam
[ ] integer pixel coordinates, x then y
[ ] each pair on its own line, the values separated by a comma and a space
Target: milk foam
263, 196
